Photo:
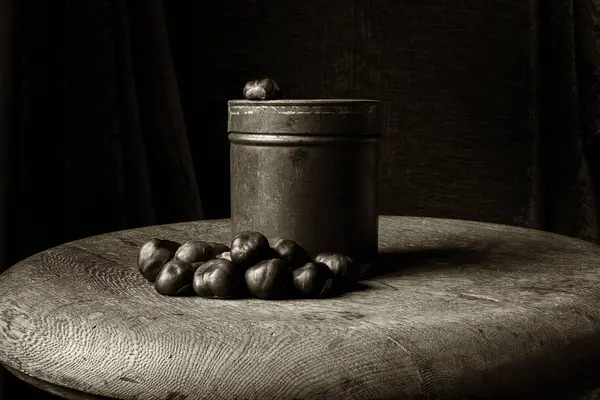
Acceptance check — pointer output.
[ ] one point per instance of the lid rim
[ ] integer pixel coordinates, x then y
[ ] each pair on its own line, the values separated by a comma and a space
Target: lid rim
301, 102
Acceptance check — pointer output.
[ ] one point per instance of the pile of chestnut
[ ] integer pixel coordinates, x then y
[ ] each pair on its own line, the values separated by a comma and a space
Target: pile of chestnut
251, 266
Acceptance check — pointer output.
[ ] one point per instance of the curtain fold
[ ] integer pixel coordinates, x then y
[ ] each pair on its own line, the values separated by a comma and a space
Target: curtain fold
569, 116
172, 175
587, 44
8, 34
99, 140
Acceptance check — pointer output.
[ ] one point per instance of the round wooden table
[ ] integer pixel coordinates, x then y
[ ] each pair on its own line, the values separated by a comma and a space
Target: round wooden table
460, 310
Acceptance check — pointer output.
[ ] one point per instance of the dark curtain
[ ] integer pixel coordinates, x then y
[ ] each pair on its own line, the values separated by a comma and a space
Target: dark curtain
113, 113
570, 119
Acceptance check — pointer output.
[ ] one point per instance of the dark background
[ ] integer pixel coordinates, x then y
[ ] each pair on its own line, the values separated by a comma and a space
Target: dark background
113, 113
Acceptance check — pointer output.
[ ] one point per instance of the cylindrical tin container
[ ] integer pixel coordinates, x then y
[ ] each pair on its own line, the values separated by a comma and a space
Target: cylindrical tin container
307, 170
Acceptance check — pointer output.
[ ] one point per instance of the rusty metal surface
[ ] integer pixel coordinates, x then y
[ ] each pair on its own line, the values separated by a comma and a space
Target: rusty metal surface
300, 117
307, 170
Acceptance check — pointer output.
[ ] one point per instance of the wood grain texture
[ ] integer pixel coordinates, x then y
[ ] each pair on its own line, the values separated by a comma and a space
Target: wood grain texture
460, 309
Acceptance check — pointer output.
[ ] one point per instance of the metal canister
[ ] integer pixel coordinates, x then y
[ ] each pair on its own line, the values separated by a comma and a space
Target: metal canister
307, 170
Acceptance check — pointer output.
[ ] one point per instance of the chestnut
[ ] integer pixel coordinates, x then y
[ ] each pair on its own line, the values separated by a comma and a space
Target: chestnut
290, 252
248, 248
194, 251
219, 248
219, 278
261, 89
312, 280
345, 272
153, 255
175, 278
269, 279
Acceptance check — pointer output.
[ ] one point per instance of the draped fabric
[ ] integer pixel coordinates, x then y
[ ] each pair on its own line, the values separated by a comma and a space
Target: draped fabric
99, 140
570, 118
113, 113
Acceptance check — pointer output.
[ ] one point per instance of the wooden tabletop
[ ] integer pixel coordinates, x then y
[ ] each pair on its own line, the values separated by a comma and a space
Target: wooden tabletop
461, 310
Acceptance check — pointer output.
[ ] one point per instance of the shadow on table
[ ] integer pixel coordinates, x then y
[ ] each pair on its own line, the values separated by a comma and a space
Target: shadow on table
403, 262
406, 262
494, 255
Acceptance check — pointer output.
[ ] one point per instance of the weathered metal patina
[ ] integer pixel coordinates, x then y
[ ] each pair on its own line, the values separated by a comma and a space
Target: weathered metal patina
307, 170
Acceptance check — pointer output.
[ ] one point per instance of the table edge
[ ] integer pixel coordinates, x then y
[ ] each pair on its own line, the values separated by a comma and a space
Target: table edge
55, 389
394, 216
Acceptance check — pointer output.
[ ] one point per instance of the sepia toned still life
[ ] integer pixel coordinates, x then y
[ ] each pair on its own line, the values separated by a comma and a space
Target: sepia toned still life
306, 292
246, 200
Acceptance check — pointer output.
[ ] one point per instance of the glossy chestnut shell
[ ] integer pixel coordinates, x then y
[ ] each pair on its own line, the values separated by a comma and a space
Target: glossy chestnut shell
175, 278
194, 251
219, 278
290, 252
345, 271
248, 248
269, 279
313, 280
153, 255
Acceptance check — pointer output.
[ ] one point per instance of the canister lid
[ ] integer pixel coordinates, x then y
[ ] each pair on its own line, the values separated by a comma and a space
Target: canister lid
301, 117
